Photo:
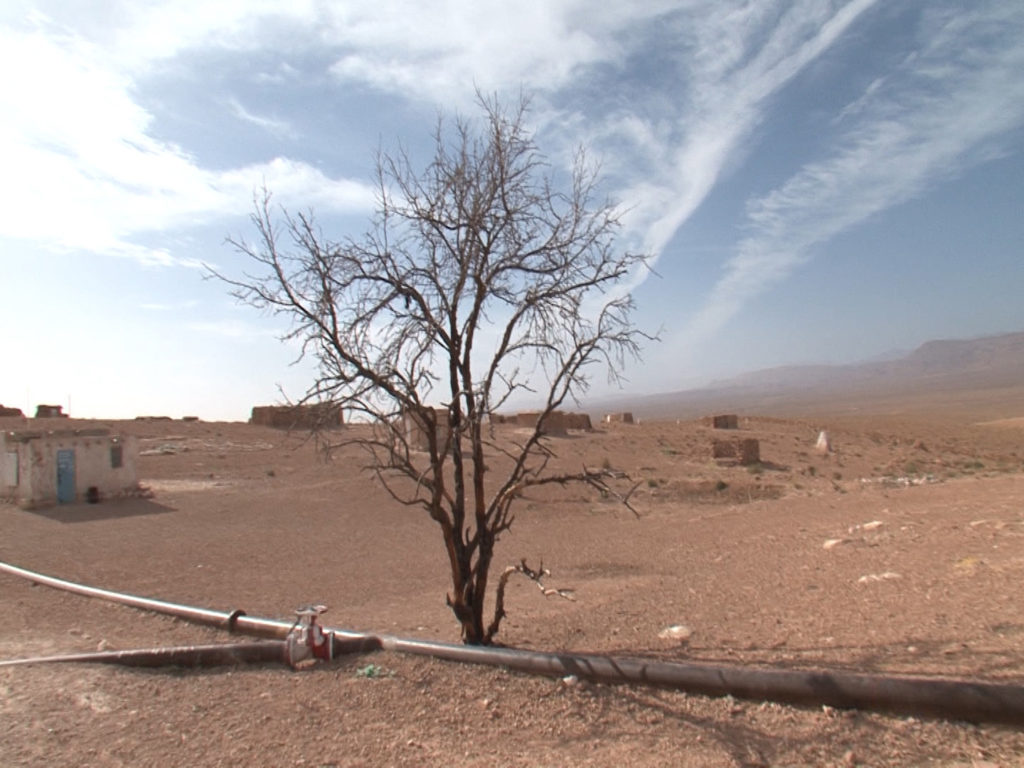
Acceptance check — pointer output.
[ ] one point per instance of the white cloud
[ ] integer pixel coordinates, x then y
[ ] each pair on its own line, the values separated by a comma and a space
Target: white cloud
441, 50
731, 58
942, 112
85, 174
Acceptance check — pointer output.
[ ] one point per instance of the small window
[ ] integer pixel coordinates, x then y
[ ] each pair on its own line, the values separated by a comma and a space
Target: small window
116, 456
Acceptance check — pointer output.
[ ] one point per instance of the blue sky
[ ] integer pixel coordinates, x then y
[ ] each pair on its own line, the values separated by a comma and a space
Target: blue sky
817, 181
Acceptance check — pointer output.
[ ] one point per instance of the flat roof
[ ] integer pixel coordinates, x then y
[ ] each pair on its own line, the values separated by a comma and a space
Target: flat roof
23, 436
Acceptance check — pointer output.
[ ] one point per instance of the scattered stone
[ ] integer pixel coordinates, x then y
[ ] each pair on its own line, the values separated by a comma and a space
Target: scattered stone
677, 632
824, 444
168, 449
570, 681
887, 576
849, 757
874, 525
968, 564
833, 543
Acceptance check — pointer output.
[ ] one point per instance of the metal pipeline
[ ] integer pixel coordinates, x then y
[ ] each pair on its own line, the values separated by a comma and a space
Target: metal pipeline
182, 656
950, 698
232, 621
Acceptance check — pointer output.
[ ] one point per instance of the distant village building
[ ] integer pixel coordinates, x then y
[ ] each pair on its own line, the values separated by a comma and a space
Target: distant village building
416, 432
725, 421
50, 412
579, 421
310, 416
618, 418
554, 424
42, 468
9, 412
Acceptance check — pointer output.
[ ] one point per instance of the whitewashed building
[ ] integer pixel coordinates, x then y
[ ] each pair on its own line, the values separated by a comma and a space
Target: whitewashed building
40, 468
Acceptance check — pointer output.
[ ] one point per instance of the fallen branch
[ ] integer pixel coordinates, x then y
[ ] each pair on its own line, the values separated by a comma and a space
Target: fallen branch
533, 575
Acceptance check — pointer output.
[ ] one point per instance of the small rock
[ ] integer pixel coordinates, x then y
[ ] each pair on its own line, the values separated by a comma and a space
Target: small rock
833, 543
570, 681
887, 576
678, 632
824, 444
874, 525
849, 758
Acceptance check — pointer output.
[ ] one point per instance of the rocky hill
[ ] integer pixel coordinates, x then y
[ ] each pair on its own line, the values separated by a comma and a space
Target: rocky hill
982, 377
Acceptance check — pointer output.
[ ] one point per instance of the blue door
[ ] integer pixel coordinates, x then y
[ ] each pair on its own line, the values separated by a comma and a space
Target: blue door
65, 475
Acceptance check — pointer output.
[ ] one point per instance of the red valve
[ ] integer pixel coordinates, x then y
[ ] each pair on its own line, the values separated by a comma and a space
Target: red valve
307, 641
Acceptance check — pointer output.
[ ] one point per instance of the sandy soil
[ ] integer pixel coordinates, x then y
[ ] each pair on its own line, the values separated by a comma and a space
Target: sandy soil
925, 516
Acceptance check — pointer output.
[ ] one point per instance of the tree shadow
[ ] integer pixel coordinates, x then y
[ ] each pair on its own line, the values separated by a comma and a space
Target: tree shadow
884, 658
113, 509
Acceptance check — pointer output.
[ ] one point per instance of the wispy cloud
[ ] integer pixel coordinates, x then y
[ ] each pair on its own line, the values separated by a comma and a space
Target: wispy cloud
232, 329
269, 124
733, 58
156, 306
943, 111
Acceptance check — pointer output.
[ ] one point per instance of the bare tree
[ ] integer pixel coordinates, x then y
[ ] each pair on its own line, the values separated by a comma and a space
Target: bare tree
478, 280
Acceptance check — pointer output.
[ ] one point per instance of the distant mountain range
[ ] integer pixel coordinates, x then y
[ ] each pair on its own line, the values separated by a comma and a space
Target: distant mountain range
940, 371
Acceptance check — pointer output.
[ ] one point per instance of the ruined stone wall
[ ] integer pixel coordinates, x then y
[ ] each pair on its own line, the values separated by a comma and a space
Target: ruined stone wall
579, 421
745, 451
313, 416
556, 423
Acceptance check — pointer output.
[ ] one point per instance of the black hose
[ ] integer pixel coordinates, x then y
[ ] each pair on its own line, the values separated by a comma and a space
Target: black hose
182, 656
950, 698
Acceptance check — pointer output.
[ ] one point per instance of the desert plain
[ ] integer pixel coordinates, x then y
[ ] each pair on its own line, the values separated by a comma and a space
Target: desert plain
901, 551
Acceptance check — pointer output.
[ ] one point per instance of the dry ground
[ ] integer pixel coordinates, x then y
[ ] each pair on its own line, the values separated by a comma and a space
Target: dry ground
248, 517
